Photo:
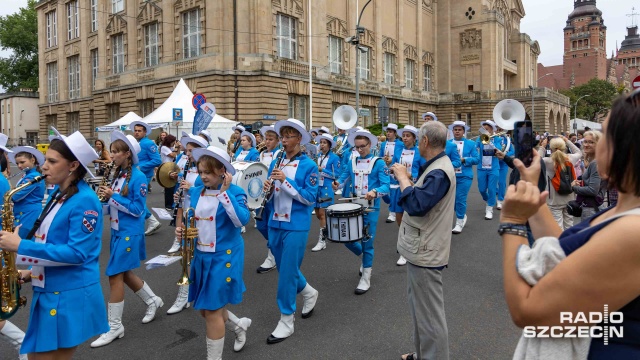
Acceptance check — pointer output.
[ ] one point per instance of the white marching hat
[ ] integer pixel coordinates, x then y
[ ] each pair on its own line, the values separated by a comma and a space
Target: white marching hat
459, 123
80, 148
190, 138
429, 113
490, 123
217, 154
296, 124
3, 142
251, 137
372, 138
131, 142
264, 129
206, 134
315, 130
141, 123
410, 129
391, 126
327, 137
239, 128
28, 149
325, 129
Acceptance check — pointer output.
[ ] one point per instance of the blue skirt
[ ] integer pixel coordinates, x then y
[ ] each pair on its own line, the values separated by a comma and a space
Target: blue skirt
324, 192
65, 319
216, 278
26, 218
394, 196
126, 252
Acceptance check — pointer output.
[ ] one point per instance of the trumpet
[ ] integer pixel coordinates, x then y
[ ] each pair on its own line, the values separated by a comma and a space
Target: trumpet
486, 138
189, 238
261, 146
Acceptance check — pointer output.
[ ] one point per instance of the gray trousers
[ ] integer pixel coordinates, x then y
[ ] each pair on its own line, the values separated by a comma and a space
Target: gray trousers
426, 304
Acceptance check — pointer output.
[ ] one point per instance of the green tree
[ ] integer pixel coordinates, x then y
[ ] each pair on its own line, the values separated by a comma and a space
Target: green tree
601, 94
19, 34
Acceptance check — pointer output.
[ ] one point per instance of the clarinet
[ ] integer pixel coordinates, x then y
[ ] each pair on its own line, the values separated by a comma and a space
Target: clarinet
269, 194
178, 204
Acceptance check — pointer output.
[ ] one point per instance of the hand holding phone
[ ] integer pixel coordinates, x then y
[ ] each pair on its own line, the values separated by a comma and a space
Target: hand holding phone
523, 141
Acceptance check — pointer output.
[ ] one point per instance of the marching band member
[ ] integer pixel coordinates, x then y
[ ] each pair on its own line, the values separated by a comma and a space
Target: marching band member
149, 159
205, 134
464, 174
342, 136
168, 153
328, 167
192, 178
27, 203
259, 137
509, 150
370, 178
314, 133
409, 156
247, 151
125, 205
451, 150
237, 131
324, 130
387, 150
266, 157
67, 306
295, 188
218, 257
488, 168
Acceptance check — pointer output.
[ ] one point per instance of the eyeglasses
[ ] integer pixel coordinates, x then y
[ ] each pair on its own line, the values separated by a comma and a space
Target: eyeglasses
288, 137
361, 147
588, 142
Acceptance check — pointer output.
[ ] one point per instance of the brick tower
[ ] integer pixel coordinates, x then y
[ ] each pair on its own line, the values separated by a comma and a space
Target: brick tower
585, 41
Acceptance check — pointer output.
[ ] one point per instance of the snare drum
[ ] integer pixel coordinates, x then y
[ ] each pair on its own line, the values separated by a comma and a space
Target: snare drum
345, 223
250, 176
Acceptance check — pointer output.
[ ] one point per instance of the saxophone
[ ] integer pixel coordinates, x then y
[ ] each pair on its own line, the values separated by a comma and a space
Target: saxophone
105, 179
9, 276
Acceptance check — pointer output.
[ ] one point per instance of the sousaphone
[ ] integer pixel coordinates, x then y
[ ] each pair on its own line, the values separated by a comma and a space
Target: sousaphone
162, 175
507, 112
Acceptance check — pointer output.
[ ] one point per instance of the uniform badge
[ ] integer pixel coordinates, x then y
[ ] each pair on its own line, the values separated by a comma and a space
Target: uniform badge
89, 221
386, 171
143, 189
313, 179
153, 148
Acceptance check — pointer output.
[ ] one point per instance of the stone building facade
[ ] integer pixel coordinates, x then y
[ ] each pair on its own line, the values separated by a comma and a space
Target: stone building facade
100, 59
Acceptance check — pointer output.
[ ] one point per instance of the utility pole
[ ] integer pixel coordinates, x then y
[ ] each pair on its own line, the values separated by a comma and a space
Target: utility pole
355, 40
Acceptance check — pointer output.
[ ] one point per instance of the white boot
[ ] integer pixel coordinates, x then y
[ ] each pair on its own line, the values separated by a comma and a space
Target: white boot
488, 214
499, 205
175, 247
181, 301
283, 330
365, 282
152, 225
268, 264
14, 336
391, 218
459, 225
116, 329
310, 297
253, 216
401, 261
321, 245
243, 230
214, 349
239, 327
153, 302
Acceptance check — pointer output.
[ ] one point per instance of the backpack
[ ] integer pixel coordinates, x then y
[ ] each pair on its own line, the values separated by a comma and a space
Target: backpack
562, 179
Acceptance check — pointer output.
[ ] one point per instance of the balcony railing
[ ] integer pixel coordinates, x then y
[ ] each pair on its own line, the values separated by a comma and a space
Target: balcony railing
293, 67
186, 67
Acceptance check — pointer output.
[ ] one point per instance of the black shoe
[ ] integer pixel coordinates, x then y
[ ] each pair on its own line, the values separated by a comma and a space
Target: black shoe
262, 270
274, 340
360, 291
307, 315
389, 221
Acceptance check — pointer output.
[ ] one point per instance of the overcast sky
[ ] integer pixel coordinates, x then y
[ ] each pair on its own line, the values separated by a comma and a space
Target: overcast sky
544, 22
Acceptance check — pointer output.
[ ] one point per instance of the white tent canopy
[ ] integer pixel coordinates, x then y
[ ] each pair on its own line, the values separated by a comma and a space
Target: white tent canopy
162, 117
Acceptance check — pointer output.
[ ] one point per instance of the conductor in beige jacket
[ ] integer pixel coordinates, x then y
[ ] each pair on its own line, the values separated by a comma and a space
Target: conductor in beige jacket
424, 240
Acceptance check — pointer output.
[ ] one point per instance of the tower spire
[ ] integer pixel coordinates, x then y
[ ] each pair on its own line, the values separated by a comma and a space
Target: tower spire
633, 16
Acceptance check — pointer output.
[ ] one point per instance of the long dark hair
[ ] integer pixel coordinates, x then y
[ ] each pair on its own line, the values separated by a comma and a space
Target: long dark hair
622, 133
29, 156
78, 174
120, 145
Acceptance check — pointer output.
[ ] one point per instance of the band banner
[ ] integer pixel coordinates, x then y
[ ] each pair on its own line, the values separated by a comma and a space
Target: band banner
203, 117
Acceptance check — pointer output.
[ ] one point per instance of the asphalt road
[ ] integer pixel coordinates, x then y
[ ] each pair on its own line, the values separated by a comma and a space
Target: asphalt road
375, 325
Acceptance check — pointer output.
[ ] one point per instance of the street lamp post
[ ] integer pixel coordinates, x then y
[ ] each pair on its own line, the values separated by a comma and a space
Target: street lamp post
355, 40
575, 109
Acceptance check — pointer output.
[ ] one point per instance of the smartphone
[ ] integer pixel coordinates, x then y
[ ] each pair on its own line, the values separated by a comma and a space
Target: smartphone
523, 141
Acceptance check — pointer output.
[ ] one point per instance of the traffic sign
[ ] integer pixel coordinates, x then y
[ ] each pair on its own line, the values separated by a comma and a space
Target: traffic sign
365, 112
177, 114
197, 100
268, 117
635, 84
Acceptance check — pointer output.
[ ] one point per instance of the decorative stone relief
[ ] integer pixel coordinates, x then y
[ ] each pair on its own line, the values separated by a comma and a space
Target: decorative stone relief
471, 39
410, 52
427, 4
427, 58
290, 7
185, 4
337, 27
116, 24
389, 45
149, 11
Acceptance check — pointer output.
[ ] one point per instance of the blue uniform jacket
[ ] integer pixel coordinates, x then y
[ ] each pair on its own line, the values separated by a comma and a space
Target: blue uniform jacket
383, 146
510, 152
74, 237
4, 187
378, 179
304, 191
452, 152
29, 198
470, 156
149, 157
130, 208
227, 233
252, 156
415, 166
331, 170
495, 163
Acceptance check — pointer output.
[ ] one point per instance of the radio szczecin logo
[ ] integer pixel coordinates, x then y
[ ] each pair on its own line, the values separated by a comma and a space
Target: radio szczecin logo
603, 325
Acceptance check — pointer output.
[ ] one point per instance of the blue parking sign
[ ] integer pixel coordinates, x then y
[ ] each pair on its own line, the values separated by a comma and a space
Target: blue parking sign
177, 114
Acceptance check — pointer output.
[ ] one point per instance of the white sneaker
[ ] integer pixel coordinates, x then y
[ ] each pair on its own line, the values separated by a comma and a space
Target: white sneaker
488, 215
391, 218
175, 247
181, 301
499, 205
153, 225
401, 261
